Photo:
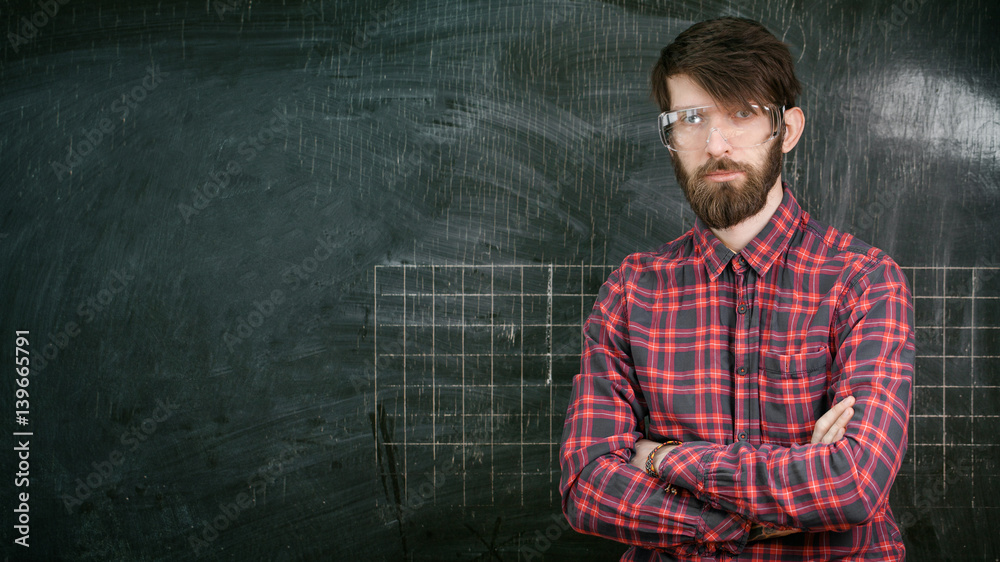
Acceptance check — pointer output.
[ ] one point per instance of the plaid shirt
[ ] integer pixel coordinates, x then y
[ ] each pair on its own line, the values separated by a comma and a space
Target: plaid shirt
737, 356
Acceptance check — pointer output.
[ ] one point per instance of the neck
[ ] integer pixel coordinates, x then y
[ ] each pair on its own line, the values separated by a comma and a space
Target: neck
738, 236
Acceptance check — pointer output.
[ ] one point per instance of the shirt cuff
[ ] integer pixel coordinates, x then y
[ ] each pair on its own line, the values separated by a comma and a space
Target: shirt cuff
682, 466
726, 531
700, 468
685, 466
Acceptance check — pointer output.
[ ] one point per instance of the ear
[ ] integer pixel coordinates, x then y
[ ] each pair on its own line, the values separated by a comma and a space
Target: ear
795, 122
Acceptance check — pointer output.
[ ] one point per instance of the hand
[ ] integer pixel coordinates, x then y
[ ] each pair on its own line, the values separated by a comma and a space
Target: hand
831, 426
828, 429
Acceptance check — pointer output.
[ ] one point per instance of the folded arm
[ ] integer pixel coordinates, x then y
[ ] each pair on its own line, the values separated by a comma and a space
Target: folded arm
602, 493
828, 429
825, 486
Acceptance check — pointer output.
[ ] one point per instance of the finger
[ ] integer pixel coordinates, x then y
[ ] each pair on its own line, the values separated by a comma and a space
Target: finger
839, 426
845, 403
836, 432
829, 420
829, 436
843, 420
826, 422
845, 417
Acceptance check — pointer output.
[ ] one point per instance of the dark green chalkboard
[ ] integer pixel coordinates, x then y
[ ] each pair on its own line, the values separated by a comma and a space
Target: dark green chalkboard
304, 280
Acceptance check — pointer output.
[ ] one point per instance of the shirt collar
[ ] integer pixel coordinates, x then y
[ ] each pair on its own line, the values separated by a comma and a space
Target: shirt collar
763, 250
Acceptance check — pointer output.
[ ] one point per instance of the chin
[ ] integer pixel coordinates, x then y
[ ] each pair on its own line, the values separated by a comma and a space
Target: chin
723, 186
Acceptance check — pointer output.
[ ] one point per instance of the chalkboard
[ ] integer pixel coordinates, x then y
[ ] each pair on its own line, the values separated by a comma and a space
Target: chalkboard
305, 280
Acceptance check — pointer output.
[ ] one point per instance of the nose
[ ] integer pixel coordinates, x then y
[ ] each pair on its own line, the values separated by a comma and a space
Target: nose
717, 144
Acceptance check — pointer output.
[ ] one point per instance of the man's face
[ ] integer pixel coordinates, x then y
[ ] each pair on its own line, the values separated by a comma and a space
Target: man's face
724, 185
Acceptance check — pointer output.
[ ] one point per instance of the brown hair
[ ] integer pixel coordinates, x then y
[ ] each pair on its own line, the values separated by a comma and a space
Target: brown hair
735, 60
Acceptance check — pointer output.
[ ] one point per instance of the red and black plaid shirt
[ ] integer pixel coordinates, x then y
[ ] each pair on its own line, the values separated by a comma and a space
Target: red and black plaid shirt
737, 356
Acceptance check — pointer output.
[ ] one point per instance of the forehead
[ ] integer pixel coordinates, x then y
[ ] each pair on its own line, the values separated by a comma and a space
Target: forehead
685, 92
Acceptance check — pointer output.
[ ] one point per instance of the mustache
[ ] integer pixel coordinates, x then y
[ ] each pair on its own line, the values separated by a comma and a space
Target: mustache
722, 165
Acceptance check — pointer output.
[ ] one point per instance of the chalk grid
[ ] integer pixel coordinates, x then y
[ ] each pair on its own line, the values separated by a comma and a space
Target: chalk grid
497, 410
477, 363
954, 420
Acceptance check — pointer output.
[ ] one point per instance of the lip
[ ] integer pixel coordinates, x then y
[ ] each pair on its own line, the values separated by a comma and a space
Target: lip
723, 176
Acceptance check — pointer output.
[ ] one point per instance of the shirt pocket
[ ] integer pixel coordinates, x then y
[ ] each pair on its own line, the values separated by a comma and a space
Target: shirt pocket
792, 395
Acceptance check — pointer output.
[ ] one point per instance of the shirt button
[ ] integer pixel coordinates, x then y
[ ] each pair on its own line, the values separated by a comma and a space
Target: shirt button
741, 371
742, 309
743, 436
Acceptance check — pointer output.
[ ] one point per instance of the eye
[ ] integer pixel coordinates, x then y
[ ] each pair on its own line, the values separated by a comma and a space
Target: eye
744, 114
692, 119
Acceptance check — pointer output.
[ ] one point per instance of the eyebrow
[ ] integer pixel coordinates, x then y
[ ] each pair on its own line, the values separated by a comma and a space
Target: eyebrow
690, 108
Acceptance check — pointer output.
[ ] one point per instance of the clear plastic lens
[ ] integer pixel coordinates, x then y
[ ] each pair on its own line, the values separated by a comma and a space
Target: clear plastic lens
691, 128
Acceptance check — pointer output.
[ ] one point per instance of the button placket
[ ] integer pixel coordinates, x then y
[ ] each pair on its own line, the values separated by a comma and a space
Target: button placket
742, 384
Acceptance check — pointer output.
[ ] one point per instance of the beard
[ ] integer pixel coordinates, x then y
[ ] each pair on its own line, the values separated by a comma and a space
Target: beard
726, 204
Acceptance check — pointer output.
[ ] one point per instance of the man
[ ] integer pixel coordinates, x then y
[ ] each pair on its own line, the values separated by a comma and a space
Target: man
745, 388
